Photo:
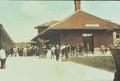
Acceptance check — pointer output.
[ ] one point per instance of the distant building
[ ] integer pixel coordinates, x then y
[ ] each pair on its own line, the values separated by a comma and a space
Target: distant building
21, 44
82, 28
24, 44
5, 39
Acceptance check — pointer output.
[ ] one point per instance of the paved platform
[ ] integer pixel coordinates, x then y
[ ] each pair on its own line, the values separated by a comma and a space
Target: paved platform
34, 69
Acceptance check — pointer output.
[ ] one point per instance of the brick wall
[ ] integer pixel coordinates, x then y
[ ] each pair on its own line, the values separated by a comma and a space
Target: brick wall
71, 37
99, 38
103, 38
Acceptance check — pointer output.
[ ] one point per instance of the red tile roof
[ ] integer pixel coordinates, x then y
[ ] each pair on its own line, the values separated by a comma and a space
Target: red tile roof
80, 19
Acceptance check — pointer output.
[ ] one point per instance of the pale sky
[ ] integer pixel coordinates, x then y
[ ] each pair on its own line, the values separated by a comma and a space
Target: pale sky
20, 17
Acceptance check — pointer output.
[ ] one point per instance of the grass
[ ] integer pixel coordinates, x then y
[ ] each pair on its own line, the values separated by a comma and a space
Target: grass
100, 62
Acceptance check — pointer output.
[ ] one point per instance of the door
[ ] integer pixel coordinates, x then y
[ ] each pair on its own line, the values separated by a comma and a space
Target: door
87, 39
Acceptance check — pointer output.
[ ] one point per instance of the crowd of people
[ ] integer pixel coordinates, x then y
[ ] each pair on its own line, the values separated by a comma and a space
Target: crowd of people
63, 51
54, 51
16, 51
57, 51
23, 51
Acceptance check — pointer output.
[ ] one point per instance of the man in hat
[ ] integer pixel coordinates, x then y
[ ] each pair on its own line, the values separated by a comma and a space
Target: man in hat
57, 52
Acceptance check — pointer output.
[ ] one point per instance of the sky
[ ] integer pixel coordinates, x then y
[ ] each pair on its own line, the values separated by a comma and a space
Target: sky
20, 17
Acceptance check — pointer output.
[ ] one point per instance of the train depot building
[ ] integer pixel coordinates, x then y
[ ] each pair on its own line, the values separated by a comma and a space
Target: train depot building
81, 28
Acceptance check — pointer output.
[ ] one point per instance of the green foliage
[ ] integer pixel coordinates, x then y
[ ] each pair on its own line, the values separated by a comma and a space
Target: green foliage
42, 42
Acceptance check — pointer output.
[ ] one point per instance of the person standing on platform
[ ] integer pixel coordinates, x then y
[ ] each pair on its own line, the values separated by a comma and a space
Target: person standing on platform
24, 51
73, 49
77, 50
2, 57
53, 52
67, 51
15, 51
35, 50
57, 52
11, 51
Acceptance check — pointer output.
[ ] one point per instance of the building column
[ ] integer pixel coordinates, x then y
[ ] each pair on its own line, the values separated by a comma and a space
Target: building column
60, 38
114, 37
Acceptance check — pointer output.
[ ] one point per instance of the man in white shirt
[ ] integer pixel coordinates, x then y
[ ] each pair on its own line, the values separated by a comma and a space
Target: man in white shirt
53, 52
2, 57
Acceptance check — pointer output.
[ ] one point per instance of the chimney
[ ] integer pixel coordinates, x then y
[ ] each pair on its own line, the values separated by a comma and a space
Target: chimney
77, 4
